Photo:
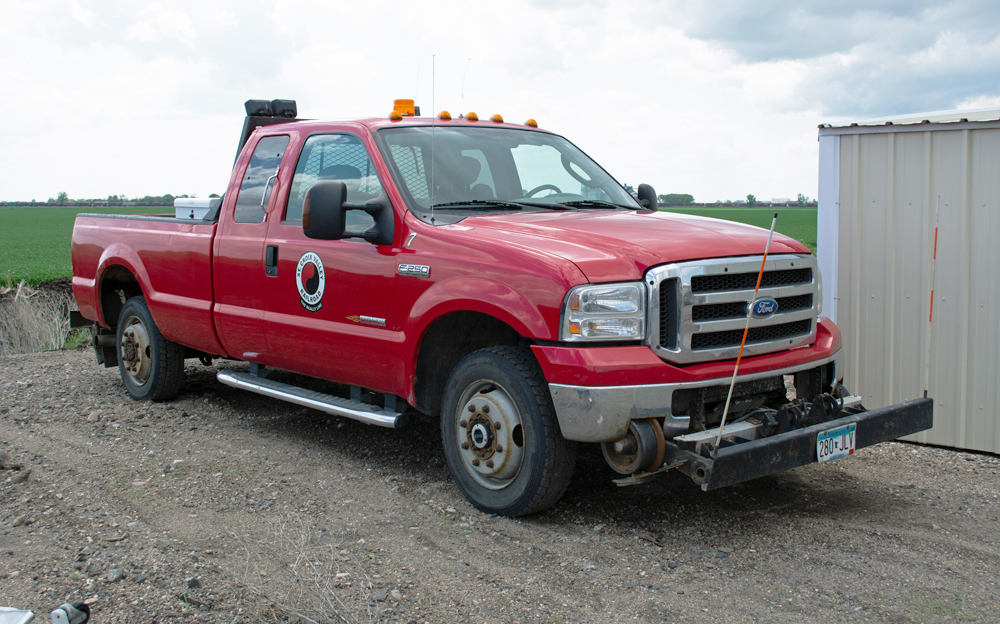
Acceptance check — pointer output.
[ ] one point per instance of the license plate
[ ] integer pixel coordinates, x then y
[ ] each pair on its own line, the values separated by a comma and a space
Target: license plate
836, 443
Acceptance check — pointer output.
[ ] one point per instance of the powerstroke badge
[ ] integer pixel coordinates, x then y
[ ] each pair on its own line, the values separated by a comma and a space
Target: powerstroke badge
311, 281
415, 270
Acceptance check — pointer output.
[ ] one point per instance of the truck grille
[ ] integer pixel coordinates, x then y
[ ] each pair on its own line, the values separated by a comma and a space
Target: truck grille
739, 309
699, 309
733, 337
747, 281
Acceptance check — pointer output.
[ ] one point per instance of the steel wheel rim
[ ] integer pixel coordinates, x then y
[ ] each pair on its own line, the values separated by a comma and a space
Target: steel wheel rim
135, 351
489, 435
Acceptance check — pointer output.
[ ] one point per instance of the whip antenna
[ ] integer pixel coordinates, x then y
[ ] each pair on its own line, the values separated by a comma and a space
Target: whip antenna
430, 194
462, 97
746, 330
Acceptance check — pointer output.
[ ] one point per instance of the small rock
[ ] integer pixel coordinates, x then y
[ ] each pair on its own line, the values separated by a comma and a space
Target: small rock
21, 476
598, 527
93, 417
18, 521
450, 510
396, 595
139, 579
671, 564
114, 575
192, 582
380, 595
721, 555
3, 459
726, 550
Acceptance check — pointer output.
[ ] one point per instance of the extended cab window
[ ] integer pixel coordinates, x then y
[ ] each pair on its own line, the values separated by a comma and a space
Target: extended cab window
251, 201
340, 157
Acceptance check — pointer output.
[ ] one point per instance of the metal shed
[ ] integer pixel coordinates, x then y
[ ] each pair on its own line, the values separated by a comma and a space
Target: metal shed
879, 184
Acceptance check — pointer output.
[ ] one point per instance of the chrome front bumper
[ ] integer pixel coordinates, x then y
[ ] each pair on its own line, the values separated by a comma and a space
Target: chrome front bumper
603, 413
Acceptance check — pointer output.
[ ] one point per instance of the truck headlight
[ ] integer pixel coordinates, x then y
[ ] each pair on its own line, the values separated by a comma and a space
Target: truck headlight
604, 312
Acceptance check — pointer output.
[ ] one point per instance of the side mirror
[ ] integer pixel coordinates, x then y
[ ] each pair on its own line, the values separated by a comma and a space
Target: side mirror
323, 215
647, 197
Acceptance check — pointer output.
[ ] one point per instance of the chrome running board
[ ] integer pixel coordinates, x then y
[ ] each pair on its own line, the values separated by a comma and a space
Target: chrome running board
368, 414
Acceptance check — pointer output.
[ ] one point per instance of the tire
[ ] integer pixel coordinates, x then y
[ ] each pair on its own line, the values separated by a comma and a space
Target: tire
151, 366
524, 465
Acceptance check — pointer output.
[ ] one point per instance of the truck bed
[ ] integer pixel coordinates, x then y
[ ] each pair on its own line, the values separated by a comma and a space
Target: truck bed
171, 258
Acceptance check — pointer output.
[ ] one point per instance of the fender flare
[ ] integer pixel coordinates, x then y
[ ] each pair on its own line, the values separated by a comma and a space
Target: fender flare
122, 255
476, 294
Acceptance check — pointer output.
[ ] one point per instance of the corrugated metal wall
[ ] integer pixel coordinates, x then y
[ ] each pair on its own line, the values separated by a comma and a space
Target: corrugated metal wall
889, 183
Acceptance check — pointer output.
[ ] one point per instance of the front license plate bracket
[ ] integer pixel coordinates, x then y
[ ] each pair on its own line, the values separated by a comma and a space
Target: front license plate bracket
836, 443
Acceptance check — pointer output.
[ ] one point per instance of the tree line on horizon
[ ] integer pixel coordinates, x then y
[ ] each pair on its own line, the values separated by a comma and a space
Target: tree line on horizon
63, 199
685, 199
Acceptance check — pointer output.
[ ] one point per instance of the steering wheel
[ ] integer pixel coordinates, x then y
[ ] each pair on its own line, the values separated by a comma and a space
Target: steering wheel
542, 188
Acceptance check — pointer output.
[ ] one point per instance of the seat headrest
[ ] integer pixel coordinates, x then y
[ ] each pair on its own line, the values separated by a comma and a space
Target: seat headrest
457, 169
340, 172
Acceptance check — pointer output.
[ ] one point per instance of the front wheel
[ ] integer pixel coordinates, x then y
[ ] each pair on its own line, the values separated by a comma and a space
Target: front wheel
151, 366
501, 438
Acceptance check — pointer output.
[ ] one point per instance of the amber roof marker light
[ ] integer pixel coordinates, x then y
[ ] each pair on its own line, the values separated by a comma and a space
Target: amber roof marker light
405, 108
472, 117
532, 123
444, 116
496, 118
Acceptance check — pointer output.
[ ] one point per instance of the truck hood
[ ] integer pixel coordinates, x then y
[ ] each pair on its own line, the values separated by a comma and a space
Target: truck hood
620, 245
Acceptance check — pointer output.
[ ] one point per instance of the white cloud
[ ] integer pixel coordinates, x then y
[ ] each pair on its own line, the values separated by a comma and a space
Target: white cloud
716, 100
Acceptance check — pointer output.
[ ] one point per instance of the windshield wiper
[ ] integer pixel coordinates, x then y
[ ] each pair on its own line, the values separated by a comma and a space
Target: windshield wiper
480, 204
594, 203
549, 206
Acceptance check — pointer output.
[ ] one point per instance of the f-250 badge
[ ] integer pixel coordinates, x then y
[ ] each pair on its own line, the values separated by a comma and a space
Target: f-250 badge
311, 281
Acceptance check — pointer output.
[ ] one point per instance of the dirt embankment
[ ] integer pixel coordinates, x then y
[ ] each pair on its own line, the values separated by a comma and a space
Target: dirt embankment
223, 506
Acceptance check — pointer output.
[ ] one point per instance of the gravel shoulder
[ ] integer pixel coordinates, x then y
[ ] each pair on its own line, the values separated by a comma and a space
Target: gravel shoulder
224, 506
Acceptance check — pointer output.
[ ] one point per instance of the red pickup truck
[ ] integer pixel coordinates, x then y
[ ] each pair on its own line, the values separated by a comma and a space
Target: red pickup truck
493, 274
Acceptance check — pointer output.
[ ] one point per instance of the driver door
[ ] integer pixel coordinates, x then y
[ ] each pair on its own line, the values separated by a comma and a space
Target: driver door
329, 303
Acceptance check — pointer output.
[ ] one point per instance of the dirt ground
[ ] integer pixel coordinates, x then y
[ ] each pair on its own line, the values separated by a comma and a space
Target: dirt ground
223, 506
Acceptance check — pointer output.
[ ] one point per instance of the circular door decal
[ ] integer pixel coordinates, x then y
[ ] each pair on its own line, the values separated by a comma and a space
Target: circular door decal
311, 281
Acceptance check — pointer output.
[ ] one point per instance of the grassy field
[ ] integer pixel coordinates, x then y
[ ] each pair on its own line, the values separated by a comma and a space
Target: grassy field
799, 223
35, 241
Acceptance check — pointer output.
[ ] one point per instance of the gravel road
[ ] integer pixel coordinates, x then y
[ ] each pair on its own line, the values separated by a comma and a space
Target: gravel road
223, 506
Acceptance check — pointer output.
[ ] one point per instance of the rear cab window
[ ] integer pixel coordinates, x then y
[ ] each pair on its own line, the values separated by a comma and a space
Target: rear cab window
255, 188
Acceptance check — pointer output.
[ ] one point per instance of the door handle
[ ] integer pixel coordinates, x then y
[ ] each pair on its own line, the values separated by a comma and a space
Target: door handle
271, 260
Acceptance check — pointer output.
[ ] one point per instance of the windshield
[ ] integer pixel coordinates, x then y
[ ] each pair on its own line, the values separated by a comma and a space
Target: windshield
497, 169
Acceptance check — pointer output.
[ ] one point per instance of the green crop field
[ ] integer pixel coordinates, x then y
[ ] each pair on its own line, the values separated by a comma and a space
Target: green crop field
799, 223
35, 241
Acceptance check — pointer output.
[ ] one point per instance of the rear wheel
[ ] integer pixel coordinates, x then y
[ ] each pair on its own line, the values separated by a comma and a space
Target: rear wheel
501, 438
151, 366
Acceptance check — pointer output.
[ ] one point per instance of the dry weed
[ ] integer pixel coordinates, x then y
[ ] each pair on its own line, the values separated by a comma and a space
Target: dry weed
33, 320
306, 574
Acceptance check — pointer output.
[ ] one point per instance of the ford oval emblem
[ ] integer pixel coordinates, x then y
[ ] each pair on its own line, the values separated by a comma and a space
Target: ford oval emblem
763, 308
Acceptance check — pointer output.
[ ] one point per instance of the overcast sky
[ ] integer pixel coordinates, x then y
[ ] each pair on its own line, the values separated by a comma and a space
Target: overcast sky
717, 99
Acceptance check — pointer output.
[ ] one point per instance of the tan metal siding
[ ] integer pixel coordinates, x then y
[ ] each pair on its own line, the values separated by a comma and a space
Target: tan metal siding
889, 184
